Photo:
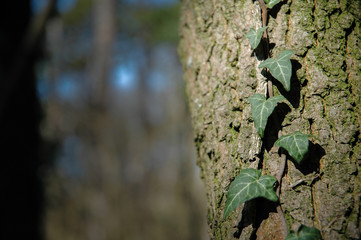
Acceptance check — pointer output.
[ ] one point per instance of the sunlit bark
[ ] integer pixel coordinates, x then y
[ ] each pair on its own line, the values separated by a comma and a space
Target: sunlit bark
221, 71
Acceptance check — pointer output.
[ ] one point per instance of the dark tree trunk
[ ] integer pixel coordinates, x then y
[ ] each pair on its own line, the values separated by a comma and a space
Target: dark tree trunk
21, 189
221, 71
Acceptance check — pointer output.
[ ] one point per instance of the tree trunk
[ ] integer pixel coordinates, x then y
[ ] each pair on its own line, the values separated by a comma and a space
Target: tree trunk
221, 72
21, 165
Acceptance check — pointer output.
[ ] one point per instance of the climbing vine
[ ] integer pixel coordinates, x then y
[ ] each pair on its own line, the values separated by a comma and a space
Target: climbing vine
250, 183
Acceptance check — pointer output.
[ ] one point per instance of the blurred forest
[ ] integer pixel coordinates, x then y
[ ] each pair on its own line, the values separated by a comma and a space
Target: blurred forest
111, 152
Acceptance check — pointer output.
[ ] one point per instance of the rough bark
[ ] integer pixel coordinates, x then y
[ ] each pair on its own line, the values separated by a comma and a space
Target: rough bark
221, 71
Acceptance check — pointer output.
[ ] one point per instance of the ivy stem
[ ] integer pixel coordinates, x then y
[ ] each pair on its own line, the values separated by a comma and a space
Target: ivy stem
266, 41
271, 94
280, 172
278, 191
264, 17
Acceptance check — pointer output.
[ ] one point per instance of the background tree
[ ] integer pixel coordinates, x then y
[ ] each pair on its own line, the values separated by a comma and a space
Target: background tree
95, 134
221, 71
113, 101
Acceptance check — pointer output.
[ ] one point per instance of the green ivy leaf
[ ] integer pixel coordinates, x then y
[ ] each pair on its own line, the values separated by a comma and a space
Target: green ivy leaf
296, 145
280, 69
271, 3
262, 109
255, 36
247, 185
304, 233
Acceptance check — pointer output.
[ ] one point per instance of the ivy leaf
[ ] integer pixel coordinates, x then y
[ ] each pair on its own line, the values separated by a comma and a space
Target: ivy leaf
262, 109
271, 3
247, 185
304, 233
296, 145
255, 36
280, 69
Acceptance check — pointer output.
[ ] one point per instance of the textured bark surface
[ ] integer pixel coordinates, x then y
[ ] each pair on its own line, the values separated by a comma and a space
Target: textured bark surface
221, 71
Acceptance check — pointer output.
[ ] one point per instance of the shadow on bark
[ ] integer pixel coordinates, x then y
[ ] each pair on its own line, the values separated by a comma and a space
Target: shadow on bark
311, 162
275, 124
248, 217
259, 52
254, 213
275, 10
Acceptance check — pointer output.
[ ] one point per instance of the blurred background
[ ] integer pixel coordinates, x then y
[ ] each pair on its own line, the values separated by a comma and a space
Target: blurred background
96, 137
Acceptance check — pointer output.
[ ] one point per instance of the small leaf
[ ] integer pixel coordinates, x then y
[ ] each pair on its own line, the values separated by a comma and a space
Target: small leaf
280, 69
296, 145
304, 233
262, 109
247, 185
271, 3
255, 37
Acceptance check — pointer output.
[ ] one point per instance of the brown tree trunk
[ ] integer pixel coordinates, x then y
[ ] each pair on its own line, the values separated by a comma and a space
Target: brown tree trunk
221, 71
104, 31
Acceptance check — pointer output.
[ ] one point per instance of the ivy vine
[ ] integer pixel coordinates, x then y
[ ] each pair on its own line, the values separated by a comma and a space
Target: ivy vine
250, 183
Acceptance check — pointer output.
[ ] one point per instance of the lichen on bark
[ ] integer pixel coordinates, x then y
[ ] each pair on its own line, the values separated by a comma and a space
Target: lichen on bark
221, 71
